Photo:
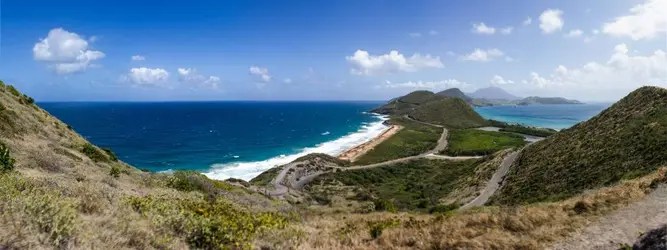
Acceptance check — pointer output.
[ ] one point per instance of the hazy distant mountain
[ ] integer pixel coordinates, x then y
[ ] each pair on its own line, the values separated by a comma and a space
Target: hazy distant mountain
493, 93
546, 100
455, 92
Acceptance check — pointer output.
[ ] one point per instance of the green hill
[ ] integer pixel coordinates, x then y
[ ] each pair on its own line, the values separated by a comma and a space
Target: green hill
406, 103
450, 112
625, 141
455, 92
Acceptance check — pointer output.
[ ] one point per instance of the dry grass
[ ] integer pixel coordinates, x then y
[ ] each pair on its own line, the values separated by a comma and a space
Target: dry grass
522, 227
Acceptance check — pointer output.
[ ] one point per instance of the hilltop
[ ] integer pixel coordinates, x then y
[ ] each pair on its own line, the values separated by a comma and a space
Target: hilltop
405, 104
546, 100
455, 92
625, 141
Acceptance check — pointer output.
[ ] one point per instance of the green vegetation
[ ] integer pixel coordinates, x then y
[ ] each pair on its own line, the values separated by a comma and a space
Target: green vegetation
479, 142
526, 130
111, 154
30, 207
6, 160
207, 224
415, 138
114, 172
13, 90
625, 141
194, 181
93, 153
455, 92
414, 185
375, 228
407, 103
266, 177
450, 112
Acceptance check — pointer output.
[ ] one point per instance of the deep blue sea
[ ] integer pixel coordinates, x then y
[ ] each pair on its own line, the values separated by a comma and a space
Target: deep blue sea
547, 116
220, 139
243, 139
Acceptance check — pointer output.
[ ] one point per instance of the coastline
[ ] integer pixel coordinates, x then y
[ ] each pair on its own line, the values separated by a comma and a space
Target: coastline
355, 152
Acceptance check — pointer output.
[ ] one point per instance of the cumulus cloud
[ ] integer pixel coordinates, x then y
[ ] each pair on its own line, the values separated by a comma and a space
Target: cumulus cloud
287, 80
499, 80
364, 63
620, 74
506, 30
527, 21
66, 51
644, 21
433, 85
551, 20
192, 78
138, 58
483, 55
481, 28
148, 76
263, 73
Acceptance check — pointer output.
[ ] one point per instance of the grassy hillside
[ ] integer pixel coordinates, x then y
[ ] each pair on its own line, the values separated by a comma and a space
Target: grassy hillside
405, 104
58, 191
450, 112
415, 138
625, 141
455, 92
478, 142
526, 130
414, 185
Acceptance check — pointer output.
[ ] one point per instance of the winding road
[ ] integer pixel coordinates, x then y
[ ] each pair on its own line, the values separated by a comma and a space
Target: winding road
494, 183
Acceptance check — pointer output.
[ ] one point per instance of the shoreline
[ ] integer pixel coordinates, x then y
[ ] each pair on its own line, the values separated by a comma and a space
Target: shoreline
355, 152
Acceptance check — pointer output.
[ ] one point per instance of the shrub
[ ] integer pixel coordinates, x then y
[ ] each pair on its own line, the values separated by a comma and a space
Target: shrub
384, 205
443, 208
13, 90
6, 161
207, 225
375, 228
93, 153
26, 207
111, 154
114, 172
193, 181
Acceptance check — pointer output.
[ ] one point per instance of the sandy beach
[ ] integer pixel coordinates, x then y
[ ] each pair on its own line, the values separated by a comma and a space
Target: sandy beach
353, 153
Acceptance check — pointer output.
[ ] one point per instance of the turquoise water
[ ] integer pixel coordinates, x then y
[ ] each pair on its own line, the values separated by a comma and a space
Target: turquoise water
547, 116
220, 139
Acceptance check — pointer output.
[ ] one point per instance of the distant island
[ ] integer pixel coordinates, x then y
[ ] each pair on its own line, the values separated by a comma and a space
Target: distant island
495, 96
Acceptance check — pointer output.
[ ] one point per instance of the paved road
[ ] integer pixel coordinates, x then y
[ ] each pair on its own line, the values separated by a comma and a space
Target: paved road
493, 184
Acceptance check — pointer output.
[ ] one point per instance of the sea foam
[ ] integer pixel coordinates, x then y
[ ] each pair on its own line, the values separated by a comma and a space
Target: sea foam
248, 170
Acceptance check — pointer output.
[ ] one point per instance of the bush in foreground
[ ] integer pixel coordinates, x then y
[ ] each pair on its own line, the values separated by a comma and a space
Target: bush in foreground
6, 161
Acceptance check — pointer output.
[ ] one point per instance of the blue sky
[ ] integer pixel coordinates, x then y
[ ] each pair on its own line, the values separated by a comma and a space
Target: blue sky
329, 50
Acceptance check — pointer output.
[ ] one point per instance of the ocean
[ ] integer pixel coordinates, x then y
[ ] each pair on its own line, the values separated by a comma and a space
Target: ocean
243, 139
220, 139
546, 116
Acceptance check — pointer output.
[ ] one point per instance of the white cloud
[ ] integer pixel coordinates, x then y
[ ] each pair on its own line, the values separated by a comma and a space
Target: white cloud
138, 58
507, 30
551, 20
509, 59
483, 55
433, 85
614, 78
148, 76
481, 28
528, 21
415, 35
191, 77
66, 51
287, 80
263, 73
365, 64
575, 33
644, 21
433, 32
499, 80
